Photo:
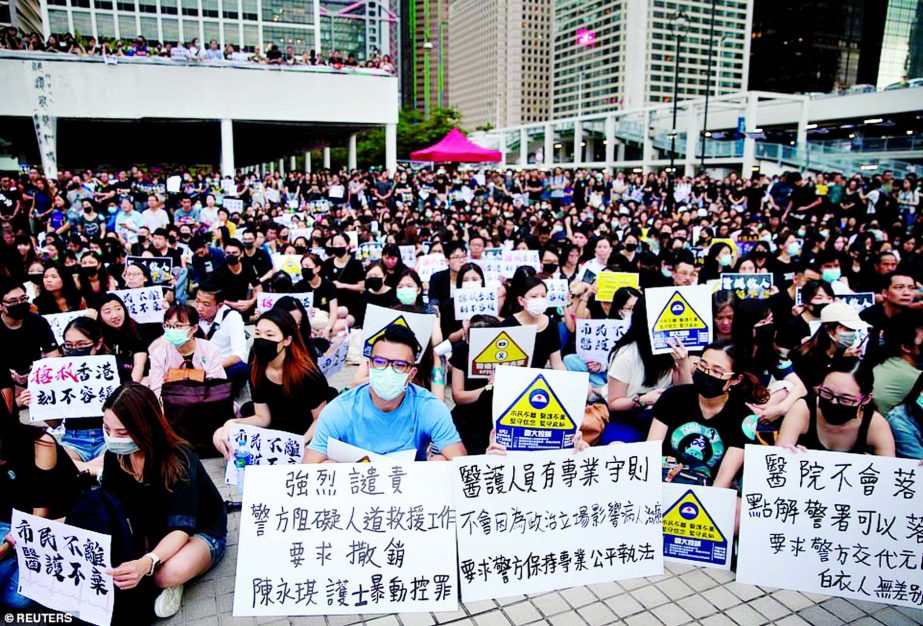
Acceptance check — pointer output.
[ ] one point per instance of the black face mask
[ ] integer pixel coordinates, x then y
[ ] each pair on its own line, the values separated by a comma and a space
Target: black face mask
338, 251
836, 414
35, 279
17, 311
88, 210
374, 283
708, 386
142, 239
815, 309
233, 260
265, 349
171, 240
307, 274
88, 271
300, 249
765, 334
549, 268
78, 351
249, 245
631, 247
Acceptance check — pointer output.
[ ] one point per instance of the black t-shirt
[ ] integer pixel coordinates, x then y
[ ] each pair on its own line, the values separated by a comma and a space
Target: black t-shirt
547, 341
192, 505
236, 286
292, 413
123, 189
693, 440
24, 486
27, 343
324, 293
9, 198
260, 261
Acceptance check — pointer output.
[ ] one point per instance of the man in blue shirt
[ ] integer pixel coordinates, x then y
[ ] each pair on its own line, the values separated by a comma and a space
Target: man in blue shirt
389, 413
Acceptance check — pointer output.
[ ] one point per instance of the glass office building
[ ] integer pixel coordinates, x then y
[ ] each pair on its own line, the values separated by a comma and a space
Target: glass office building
901, 43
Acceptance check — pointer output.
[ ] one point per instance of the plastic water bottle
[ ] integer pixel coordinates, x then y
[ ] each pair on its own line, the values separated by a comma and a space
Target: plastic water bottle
242, 458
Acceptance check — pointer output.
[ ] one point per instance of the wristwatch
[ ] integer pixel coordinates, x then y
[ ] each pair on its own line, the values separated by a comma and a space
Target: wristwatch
636, 400
155, 562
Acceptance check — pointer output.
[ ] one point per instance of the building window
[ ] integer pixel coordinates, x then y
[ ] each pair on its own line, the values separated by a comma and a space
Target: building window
170, 31
106, 5
58, 21
105, 25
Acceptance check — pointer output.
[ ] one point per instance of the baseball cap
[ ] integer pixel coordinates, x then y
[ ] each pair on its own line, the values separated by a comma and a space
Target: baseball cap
842, 313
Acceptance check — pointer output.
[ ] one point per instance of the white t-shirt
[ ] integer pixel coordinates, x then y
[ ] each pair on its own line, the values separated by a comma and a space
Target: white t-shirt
627, 367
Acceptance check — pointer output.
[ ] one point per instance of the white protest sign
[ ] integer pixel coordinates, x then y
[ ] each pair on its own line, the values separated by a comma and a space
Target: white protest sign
62, 567
698, 524
596, 338
848, 525
490, 347
343, 452
378, 319
295, 233
538, 409
475, 301
59, 321
369, 251
173, 184
748, 286
233, 205
145, 305
429, 264
557, 291
491, 269
344, 539
288, 263
228, 186
334, 360
159, 267
272, 195
513, 259
534, 522
252, 445
858, 301
71, 386
679, 312
409, 255
266, 301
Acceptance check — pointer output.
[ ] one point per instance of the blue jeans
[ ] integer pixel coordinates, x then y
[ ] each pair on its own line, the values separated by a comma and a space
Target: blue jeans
182, 279
215, 546
10, 597
238, 374
88, 444
575, 364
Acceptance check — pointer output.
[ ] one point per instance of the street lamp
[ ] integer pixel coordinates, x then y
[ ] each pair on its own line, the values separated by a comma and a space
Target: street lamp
679, 25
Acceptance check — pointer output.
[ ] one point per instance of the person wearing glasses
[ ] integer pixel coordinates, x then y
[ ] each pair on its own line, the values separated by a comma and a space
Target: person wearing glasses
442, 283
841, 416
179, 348
700, 424
389, 413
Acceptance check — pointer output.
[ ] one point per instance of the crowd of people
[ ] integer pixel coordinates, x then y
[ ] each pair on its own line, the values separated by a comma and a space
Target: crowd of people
66, 43
801, 368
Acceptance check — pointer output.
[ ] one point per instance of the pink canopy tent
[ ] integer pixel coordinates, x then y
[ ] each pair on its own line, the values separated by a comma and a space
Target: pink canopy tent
456, 148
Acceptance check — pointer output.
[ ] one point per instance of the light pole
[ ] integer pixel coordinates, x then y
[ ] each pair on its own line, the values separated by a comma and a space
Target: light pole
427, 46
711, 43
679, 23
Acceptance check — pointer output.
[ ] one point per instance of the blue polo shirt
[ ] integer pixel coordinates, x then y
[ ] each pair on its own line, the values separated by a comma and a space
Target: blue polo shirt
353, 418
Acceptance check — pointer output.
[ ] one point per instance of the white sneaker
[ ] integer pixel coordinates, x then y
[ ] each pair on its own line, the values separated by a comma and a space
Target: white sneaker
169, 601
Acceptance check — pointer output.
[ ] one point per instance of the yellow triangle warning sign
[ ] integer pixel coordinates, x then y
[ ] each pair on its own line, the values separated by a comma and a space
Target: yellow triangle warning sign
688, 518
501, 351
678, 315
399, 321
537, 407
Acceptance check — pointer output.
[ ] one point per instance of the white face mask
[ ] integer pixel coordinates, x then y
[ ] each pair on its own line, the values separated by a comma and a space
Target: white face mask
536, 306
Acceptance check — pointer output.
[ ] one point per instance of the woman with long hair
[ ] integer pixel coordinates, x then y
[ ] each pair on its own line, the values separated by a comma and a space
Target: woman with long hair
836, 337
288, 389
58, 292
720, 259
95, 281
169, 498
532, 304
122, 338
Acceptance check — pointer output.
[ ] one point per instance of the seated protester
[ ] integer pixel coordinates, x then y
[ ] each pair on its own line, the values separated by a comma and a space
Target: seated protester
827, 262
389, 413
179, 348
393, 264
602, 250
376, 292
700, 424
637, 379
469, 275
834, 339
530, 310
442, 283
328, 317
238, 282
287, 388
58, 292
122, 339
719, 259
95, 281
224, 327
897, 374
137, 276
841, 416
815, 296
906, 421
588, 307
37, 477
723, 303
409, 292
345, 272
205, 259
897, 296
24, 335
315, 345
170, 500
255, 256
473, 397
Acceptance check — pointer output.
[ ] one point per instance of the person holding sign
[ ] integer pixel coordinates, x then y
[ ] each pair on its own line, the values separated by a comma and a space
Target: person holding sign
377, 292
24, 335
389, 414
344, 272
170, 500
58, 292
532, 305
328, 317
473, 397
469, 275
287, 388
835, 338
602, 250
720, 259
179, 348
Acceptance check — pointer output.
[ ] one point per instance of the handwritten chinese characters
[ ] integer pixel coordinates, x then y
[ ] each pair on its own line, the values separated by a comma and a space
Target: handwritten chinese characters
71, 386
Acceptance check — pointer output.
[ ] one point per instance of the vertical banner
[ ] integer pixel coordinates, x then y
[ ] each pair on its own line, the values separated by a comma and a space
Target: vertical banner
698, 524
679, 312
71, 386
539, 521
62, 567
145, 305
345, 539
848, 525
597, 338
538, 409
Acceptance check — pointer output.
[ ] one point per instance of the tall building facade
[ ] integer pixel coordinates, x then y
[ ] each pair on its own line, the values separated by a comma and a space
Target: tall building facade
424, 64
23, 14
629, 58
825, 45
499, 61
359, 28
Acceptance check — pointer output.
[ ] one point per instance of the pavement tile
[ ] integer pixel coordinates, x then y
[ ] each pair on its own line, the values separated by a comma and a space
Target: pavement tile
793, 600
494, 618
566, 619
769, 608
632, 583
893, 617
718, 619
340, 620
698, 580
650, 596
309, 620
550, 604
448, 616
385, 620
605, 590
671, 615
697, 606
202, 607
817, 616
509, 600
744, 615
721, 598
674, 588
624, 605
792, 620
597, 614
867, 621
578, 596
843, 609
230, 620
479, 606
914, 614
522, 613
744, 592
416, 619
643, 619
720, 575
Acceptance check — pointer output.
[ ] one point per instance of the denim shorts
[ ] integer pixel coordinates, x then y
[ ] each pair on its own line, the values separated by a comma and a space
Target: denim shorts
88, 444
215, 546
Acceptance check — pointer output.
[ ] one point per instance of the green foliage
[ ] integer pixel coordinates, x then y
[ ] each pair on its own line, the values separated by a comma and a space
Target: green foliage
413, 132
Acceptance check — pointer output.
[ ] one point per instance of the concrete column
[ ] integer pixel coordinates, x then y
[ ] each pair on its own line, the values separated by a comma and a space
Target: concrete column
578, 139
692, 140
503, 149
282, 166
804, 118
647, 154
46, 133
351, 161
327, 157
750, 125
610, 144
316, 9
391, 147
227, 147
292, 163
272, 167
549, 145
307, 161
523, 147
620, 152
